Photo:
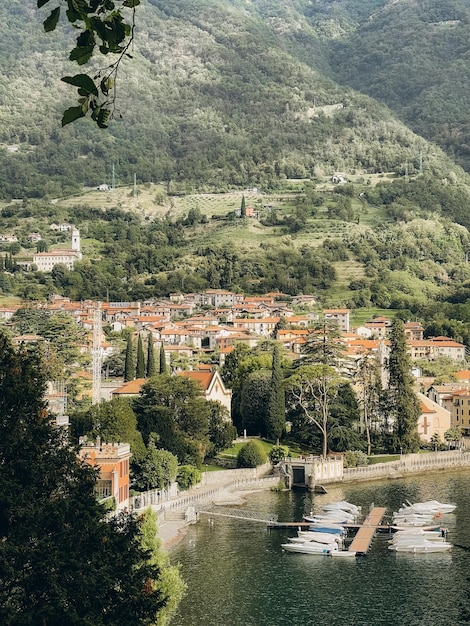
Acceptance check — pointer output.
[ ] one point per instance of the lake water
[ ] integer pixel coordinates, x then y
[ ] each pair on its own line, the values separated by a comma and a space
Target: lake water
238, 575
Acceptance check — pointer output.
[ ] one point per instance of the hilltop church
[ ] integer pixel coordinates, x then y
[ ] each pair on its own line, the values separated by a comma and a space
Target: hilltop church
46, 261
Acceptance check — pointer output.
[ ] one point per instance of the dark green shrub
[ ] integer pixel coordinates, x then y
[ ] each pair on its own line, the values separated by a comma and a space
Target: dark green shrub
251, 455
278, 453
188, 476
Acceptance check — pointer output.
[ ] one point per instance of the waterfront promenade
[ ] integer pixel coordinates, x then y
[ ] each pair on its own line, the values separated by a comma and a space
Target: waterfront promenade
229, 487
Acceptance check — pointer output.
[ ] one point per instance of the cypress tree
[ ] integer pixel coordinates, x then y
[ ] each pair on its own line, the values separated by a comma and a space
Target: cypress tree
163, 363
276, 418
404, 408
151, 365
129, 366
243, 207
140, 365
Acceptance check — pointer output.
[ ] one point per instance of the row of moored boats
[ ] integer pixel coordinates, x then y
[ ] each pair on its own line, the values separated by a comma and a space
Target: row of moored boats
416, 527
327, 531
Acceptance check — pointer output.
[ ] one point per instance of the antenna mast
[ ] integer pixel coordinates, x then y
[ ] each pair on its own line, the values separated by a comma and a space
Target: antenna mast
97, 354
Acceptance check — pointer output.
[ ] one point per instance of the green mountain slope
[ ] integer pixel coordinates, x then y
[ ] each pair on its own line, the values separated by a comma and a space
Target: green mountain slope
414, 57
219, 94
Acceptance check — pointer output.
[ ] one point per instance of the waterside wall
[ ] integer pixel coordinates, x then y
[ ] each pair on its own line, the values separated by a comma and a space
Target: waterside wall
409, 464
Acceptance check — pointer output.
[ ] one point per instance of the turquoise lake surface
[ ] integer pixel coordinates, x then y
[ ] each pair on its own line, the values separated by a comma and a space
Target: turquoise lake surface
238, 575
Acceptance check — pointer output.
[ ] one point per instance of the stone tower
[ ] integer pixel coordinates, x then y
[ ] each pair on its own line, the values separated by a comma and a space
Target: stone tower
76, 242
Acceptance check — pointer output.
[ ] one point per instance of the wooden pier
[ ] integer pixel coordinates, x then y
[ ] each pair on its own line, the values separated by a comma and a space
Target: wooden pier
361, 542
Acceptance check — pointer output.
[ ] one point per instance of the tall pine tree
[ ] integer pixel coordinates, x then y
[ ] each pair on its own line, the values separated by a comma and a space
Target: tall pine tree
403, 402
129, 364
63, 560
140, 365
276, 417
151, 365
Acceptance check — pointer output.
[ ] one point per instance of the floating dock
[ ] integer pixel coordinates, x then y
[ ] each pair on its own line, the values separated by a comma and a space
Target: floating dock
366, 531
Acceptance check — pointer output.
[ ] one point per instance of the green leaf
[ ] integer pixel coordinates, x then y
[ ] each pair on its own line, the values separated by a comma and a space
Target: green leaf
81, 54
72, 15
83, 81
51, 22
41, 3
129, 3
72, 114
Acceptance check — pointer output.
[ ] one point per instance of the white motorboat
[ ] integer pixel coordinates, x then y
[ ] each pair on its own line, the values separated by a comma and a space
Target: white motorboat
310, 535
416, 538
343, 553
310, 547
343, 505
431, 535
412, 520
338, 516
400, 527
421, 547
431, 506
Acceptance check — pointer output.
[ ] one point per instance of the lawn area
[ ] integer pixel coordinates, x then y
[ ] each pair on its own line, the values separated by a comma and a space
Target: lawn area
212, 468
383, 458
231, 453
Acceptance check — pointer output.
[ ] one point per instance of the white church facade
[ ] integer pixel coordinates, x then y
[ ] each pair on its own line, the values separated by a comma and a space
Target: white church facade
46, 261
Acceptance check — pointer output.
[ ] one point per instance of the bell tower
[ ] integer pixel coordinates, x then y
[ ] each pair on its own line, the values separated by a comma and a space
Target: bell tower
76, 242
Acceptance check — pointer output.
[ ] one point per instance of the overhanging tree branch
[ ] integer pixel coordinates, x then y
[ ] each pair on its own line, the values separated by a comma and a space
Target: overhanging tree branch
102, 27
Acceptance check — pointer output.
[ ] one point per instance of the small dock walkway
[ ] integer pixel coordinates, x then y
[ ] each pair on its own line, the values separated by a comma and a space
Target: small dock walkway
361, 542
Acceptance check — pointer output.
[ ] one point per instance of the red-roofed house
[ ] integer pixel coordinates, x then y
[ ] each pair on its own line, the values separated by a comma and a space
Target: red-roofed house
113, 462
129, 389
213, 387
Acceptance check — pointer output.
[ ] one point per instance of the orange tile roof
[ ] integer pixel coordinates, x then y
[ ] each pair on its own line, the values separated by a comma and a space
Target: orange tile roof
131, 387
425, 408
203, 378
462, 375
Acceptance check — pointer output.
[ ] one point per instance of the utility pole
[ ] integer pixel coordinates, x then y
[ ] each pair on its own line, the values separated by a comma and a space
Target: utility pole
135, 185
113, 180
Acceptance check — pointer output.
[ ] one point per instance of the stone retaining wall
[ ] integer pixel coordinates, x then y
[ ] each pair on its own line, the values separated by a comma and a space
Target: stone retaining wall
409, 464
228, 477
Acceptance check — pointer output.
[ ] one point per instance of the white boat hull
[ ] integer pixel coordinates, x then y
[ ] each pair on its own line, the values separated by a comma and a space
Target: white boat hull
308, 547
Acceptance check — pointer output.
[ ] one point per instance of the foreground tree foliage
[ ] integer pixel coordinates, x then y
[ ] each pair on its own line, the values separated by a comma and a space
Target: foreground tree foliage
62, 561
101, 26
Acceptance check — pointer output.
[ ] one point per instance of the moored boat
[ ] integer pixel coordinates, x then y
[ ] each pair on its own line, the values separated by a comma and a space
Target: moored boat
343, 553
421, 547
309, 547
343, 505
310, 535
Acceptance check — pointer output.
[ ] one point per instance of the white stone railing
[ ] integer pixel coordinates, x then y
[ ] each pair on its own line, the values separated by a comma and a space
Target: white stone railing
409, 464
